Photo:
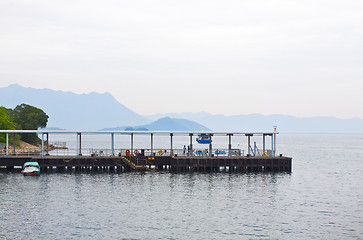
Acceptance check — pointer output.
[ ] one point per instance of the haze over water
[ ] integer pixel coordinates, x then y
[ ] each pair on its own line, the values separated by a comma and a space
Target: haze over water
320, 199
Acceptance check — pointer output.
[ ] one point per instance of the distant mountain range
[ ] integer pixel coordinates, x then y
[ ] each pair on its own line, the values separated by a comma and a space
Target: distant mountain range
96, 111
93, 111
67, 110
259, 122
166, 124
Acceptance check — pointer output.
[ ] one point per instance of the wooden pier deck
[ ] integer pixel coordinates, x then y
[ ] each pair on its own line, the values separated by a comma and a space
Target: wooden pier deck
157, 163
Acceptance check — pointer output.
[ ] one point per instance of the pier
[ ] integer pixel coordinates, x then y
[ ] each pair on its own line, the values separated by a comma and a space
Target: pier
134, 158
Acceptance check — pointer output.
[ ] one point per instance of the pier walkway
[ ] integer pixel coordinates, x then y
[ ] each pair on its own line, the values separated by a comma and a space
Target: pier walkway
210, 160
174, 164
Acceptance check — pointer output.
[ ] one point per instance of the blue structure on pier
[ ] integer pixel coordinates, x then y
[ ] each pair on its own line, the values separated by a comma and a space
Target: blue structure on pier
203, 139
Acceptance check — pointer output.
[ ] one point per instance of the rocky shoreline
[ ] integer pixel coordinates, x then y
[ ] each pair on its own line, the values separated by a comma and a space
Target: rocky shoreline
26, 148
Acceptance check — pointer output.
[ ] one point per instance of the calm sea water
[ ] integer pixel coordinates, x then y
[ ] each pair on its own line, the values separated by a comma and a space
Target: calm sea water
321, 199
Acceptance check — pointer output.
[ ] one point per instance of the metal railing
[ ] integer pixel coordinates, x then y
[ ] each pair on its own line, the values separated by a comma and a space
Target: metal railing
127, 152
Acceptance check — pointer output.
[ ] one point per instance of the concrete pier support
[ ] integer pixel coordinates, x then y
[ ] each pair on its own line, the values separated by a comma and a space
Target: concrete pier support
9, 168
173, 163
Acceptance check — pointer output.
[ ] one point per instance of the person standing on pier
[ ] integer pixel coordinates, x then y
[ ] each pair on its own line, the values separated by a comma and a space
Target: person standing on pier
184, 149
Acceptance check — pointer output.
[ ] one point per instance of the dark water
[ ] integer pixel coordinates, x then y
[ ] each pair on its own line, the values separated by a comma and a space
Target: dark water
321, 199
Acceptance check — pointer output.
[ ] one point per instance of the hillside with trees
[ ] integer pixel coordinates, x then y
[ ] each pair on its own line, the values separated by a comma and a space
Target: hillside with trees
5, 123
23, 117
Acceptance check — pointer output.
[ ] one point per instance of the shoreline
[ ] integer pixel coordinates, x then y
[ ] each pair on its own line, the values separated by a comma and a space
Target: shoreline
27, 148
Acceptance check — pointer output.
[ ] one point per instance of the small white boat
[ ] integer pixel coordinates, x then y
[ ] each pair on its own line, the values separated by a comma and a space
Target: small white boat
31, 169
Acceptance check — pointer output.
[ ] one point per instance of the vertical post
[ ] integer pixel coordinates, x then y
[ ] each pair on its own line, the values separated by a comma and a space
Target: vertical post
263, 143
112, 144
171, 144
272, 145
42, 154
210, 144
152, 143
230, 145
7, 144
47, 143
191, 143
132, 144
80, 144
249, 144
77, 153
14, 143
254, 149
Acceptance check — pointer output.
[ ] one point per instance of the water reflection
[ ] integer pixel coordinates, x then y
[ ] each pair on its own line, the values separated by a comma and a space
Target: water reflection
322, 198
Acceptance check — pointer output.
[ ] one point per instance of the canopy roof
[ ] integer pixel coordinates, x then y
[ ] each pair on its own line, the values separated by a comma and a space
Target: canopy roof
31, 164
139, 132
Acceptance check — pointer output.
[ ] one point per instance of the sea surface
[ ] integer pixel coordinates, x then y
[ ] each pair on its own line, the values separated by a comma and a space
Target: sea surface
321, 199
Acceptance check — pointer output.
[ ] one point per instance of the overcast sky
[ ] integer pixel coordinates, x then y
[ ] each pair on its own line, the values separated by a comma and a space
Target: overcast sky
301, 58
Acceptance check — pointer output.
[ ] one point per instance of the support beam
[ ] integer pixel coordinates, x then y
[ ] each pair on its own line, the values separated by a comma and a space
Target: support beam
210, 145
132, 144
7, 144
79, 144
77, 147
254, 149
272, 144
152, 143
171, 145
274, 151
230, 144
191, 143
263, 143
14, 143
42, 153
274, 141
112, 144
47, 143
249, 143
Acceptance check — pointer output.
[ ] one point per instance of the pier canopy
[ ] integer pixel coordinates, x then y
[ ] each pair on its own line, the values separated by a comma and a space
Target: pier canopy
185, 133
45, 133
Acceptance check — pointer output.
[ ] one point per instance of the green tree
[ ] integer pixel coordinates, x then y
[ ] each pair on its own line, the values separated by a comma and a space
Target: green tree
5, 123
29, 118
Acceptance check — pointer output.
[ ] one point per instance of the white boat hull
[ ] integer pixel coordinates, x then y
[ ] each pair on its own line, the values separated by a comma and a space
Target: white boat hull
31, 171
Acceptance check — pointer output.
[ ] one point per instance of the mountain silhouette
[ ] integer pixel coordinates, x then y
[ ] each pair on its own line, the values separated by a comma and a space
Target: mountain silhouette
69, 110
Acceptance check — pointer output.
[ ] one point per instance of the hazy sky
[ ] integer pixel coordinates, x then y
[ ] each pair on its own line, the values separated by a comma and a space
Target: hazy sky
302, 58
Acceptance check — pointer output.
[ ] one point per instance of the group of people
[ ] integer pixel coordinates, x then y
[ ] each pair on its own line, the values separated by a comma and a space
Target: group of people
186, 151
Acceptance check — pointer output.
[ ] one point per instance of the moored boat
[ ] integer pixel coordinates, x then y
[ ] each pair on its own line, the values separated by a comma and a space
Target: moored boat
31, 169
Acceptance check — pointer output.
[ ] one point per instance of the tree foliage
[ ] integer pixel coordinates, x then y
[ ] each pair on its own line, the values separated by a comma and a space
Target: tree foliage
27, 117
5, 123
